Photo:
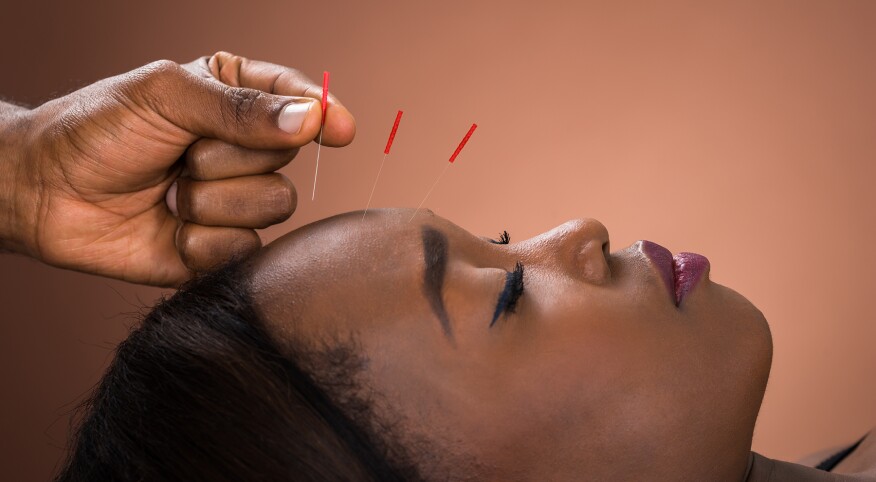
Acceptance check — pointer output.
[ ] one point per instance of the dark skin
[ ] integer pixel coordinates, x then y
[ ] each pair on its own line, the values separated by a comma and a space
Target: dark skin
596, 369
157, 174
85, 178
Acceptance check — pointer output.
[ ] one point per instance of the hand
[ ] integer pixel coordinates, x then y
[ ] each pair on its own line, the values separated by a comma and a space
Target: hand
107, 168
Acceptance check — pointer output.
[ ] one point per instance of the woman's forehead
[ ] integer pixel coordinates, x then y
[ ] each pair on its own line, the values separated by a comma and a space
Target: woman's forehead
347, 238
340, 251
332, 275
382, 224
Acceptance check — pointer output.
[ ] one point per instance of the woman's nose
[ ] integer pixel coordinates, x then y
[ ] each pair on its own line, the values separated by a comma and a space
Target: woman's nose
579, 247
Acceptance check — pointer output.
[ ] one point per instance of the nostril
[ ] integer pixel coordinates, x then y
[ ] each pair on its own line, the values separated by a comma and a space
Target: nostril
596, 248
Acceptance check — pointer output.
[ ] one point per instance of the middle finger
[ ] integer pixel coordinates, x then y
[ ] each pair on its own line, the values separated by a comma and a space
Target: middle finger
211, 159
245, 202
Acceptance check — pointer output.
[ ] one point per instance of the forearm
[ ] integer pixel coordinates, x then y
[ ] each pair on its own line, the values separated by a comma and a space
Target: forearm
17, 188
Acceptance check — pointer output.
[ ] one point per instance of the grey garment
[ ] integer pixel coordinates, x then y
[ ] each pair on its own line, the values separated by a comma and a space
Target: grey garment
764, 469
829, 463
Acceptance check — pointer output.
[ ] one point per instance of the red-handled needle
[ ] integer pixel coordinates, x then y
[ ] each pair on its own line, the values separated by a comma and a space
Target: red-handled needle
385, 153
452, 158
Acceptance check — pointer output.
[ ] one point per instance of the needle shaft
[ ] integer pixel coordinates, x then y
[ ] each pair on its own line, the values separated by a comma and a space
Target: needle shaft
430, 192
375, 186
316, 173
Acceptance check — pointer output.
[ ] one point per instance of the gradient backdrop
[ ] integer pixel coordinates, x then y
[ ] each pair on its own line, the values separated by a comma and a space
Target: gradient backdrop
745, 131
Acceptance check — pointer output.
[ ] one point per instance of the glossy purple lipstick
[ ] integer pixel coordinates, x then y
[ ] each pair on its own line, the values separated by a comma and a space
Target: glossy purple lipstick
680, 273
689, 269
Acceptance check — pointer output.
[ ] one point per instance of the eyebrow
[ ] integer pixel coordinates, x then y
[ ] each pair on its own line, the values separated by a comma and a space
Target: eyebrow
435, 259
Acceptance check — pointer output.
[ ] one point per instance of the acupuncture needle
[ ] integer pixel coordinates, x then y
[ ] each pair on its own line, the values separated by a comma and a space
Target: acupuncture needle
385, 153
452, 158
325, 85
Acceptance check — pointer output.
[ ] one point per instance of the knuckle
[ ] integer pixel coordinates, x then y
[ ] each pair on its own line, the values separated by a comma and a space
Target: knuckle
224, 58
152, 81
242, 104
194, 245
159, 70
294, 75
285, 197
187, 242
198, 202
226, 67
192, 200
198, 159
163, 65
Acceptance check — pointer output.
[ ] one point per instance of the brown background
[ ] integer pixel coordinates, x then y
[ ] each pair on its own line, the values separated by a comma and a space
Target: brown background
743, 131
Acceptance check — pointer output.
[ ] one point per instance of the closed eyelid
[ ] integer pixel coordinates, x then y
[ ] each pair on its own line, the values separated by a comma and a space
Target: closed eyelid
511, 292
499, 308
502, 239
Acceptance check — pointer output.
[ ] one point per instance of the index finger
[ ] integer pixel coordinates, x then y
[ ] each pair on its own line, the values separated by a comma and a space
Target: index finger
234, 70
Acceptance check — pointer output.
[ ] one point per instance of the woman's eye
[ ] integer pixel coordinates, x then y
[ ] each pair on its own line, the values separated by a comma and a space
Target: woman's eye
504, 238
507, 302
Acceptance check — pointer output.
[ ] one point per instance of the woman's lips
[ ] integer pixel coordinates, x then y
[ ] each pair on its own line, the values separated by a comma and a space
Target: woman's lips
680, 273
689, 270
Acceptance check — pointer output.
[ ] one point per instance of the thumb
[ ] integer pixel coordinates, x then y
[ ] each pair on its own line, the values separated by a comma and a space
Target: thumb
237, 115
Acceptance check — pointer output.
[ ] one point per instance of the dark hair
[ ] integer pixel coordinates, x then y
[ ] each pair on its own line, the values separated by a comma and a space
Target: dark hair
199, 392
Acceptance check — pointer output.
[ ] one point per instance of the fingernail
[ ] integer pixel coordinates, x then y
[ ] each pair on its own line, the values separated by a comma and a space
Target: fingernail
292, 116
170, 199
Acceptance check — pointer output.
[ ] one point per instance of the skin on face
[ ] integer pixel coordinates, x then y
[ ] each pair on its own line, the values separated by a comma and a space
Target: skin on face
596, 374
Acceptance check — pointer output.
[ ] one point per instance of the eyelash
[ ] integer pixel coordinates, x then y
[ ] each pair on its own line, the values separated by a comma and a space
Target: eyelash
511, 294
504, 238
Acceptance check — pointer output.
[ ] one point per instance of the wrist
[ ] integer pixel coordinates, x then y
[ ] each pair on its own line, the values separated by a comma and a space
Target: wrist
18, 185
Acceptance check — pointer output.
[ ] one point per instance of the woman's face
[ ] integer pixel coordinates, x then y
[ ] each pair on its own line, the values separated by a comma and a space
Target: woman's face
593, 366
